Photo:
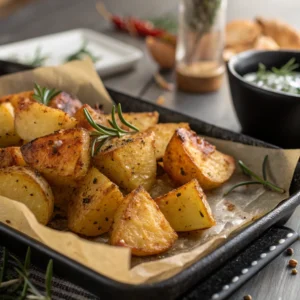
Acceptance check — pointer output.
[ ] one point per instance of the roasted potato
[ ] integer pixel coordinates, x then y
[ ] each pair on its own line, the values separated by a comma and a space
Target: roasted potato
189, 156
129, 161
27, 186
11, 156
62, 196
33, 119
8, 135
186, 208
62, 157
142, 120
141, 226
97, 117
92, 209
14, 97
66, 103
163, 134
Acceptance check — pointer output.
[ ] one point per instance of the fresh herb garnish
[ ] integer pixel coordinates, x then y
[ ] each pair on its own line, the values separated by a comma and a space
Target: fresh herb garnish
103, 133
43, 94
168, 23
81, 53
38, 59
258, 180
22, 287
283, 79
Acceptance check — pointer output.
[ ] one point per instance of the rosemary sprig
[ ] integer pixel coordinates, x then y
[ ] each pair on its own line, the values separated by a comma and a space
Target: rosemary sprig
43, 94
10, 289
81, 53
102, 133
38, 59
258, 180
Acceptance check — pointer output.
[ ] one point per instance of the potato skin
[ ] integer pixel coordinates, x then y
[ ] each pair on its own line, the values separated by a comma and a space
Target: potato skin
92, 209
63, 158
141, 226
188, 156
163, 134
186, 208
129, 161
14, 97
11, 156
27, 186
142, 120
33, 119
97, 117
66, 103
8, 135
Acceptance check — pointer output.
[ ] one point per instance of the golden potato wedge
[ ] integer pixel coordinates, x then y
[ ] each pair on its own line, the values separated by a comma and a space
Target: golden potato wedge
129, 161
33, 119
189, 156
62, 157
66, 103
163, 134
163, 184
8, 135
92, 209
11, 156
62, 196
142, 120
186, 208
141, 226
9, 98
97, 117
241, 32
27, 186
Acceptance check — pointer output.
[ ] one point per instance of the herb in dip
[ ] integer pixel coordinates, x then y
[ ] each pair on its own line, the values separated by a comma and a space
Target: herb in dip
284, 79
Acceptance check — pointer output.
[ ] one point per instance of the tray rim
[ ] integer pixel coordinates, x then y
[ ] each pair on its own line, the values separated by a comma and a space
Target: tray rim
254, 230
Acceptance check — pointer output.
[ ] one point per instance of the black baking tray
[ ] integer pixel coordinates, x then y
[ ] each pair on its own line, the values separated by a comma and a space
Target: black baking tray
177, 285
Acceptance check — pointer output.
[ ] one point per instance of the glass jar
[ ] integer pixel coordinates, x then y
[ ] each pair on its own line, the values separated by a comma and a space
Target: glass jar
199, 55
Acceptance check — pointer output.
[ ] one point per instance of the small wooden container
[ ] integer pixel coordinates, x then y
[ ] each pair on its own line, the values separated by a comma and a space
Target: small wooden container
200, 77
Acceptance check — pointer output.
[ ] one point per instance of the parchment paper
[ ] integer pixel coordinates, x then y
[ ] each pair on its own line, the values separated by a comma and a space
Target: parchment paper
231, 213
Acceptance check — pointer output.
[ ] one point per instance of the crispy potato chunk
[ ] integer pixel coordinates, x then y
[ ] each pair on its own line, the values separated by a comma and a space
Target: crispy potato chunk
25, 185
266, 43
142, 120
188, 156
186, 208
11, 156
129, 161
33, 119
241, 32
141, 226
163, 134
282, 33
8, 135
66, 103
97, 117
14, 97
62, 157
92, 209
62, 196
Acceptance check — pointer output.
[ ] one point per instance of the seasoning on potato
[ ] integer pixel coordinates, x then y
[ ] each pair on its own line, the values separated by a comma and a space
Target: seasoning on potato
141, 226
189, 157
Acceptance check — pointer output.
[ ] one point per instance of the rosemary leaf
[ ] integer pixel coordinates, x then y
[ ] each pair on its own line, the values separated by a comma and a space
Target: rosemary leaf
264, 167
240, 184
103, 133
3, 267
49, 274
43, 94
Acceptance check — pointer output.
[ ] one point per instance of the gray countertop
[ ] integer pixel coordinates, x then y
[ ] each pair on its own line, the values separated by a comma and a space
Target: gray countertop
44, 17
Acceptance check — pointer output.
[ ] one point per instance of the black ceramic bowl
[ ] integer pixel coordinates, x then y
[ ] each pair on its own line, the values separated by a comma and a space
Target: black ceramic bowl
265, 114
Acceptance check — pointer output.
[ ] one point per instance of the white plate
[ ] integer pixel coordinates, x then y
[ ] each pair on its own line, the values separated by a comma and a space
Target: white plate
114, 55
